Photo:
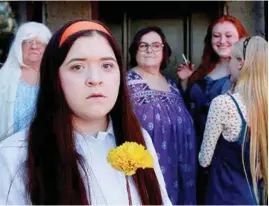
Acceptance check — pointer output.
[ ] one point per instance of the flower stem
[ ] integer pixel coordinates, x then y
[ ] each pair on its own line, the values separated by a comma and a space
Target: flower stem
128, 190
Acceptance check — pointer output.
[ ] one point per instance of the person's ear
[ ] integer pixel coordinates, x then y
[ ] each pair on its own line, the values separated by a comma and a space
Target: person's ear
241, 62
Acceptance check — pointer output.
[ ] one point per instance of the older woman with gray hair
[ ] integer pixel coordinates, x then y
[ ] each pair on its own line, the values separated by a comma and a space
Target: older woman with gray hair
19, 77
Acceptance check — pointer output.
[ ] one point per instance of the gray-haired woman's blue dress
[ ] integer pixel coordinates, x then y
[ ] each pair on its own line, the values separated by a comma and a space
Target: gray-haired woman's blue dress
165, 117
24, 106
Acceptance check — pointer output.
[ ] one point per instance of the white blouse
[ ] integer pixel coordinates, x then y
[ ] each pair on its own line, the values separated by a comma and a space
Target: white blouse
107, 185
223, 118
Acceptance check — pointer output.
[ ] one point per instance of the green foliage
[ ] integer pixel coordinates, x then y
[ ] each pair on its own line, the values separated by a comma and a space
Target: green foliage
7, 23
7, 26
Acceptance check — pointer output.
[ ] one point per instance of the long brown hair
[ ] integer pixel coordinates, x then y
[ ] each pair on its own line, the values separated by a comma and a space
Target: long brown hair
210, 58
52, 161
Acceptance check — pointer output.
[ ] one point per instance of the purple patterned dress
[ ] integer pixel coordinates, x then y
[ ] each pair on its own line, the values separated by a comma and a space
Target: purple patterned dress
165, 117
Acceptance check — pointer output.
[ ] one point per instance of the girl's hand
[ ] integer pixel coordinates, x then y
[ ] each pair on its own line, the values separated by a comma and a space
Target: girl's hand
185, 70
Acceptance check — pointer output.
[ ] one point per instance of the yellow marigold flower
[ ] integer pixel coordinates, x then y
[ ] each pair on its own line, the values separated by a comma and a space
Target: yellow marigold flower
129, 157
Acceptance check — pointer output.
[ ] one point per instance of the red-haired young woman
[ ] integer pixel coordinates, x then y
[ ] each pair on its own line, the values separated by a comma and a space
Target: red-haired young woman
212, 77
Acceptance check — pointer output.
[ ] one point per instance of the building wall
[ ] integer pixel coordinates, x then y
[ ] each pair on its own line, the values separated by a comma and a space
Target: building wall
251, 13
200, 22
59, 12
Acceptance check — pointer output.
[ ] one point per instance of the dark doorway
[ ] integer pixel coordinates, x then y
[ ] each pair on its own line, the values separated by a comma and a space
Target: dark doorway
184, 24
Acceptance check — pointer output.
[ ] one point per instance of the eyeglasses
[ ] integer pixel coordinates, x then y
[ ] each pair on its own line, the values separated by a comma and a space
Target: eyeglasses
156, 46
38, 44
245, 44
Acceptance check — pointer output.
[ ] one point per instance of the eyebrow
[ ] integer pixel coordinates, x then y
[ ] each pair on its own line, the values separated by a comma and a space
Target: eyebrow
217, 32
84, 59
151, 42
108, 58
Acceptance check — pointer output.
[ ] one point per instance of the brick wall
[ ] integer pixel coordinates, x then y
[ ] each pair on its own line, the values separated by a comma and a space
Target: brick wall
60, 12
252, 15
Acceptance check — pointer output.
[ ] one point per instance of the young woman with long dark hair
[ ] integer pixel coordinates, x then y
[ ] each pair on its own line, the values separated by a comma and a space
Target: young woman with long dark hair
83, 111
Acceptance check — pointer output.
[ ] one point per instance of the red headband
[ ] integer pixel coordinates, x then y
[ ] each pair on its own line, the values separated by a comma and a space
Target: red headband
81, 26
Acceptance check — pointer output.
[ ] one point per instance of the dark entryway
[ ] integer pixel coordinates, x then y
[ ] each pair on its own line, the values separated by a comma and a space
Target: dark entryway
184, 24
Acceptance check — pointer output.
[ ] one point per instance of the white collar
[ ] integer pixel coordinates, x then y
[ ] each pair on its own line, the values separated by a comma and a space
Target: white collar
101, 135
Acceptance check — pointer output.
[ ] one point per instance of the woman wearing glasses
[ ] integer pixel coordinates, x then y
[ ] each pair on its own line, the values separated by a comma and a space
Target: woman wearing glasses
235, 141
19, 77
161, 111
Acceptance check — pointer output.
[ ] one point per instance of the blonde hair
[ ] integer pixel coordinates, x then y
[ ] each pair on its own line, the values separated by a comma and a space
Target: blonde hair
252, 85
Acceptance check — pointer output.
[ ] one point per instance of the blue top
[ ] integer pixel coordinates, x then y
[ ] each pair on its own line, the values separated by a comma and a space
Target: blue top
198, 98
24, 105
